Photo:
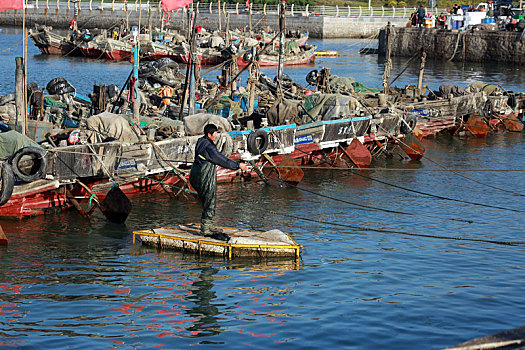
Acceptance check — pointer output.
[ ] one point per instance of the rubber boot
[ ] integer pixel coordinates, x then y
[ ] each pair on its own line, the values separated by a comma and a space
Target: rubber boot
206, 225
215, 229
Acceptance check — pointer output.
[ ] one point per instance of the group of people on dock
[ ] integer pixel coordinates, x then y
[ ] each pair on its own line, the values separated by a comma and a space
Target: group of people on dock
506, 18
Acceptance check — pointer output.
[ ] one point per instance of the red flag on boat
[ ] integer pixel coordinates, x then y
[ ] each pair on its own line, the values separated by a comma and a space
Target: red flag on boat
248, 3
170, 5
11, 5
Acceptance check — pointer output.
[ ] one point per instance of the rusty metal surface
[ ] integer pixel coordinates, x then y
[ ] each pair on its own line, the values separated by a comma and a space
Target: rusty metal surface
358, 154
289, 171
513, 124
413, 147
477, 126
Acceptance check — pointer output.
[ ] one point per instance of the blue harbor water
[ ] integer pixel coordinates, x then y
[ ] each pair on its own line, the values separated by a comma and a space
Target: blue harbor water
367, 279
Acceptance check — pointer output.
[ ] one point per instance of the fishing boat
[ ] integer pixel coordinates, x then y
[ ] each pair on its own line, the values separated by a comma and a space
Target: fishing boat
304, 57
267, 38
50, 43
116, 50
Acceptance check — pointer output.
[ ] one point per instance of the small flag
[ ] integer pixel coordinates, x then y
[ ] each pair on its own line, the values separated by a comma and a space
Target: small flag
6, 5
248, 3
170, 5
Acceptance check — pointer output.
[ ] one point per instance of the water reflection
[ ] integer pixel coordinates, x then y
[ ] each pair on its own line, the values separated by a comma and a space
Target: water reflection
204, 311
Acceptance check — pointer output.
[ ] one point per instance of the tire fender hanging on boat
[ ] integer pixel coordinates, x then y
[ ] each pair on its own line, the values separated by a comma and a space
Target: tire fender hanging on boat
257, 142
408, 124
39, 157
8, 183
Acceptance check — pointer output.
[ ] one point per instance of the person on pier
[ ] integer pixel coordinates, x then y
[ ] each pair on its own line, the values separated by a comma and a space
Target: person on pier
441, 21
203, 177
421, 16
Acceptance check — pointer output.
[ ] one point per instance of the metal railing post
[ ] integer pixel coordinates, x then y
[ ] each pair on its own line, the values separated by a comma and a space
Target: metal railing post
197, 8
336, 11
307, 12
291, 10
360, 11
349, 11
264, 9
236, 8
382, 11
393, 11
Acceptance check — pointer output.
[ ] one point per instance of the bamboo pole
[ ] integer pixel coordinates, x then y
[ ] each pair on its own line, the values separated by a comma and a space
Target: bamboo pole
421, 71
19, 96
219, 13
282, 29
24, 129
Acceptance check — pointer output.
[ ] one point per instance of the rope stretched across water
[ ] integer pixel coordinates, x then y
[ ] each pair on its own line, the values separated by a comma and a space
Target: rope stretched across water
351, 170
356, 227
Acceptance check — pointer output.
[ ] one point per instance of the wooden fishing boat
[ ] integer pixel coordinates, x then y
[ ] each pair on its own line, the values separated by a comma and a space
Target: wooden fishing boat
79, 172
50, 43
240, 243
90, 49
445, 114
267, 37
116, 49
268, 60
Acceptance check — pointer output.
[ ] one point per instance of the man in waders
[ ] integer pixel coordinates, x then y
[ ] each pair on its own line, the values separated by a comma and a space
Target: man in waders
203, 178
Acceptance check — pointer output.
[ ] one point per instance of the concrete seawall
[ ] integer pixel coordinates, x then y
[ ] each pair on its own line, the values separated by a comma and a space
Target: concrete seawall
472, 46
317, 26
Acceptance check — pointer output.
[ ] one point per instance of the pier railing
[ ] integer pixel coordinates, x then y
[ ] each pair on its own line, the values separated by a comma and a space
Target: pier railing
230, 8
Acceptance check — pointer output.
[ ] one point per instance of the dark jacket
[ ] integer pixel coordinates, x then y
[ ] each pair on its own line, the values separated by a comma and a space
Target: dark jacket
421, 12
206, 151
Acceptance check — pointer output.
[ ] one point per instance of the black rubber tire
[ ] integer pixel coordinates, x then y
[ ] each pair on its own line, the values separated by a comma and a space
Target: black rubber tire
411, 120
255, 146
248, 56
487, 110
59, 86
511, 102
311, 78
38, 153
8, 183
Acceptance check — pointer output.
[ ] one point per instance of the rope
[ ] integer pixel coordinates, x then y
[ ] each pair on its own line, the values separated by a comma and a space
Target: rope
460, 36
460, 175
10, 47
355, 227
425, 193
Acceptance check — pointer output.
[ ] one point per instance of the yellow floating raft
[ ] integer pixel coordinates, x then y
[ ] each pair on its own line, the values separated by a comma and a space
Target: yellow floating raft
241, 242
329, 53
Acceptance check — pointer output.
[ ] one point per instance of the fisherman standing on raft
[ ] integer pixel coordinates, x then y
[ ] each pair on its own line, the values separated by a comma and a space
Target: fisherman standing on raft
203, 178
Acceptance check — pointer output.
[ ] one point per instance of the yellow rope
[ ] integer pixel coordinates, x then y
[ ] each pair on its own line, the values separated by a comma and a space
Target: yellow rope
10, 47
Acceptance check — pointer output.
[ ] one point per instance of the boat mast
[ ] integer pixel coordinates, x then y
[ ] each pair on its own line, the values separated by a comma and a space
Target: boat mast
20, 125
219, 14
136, 92
420, 89
388, 60
20, 81
282, 29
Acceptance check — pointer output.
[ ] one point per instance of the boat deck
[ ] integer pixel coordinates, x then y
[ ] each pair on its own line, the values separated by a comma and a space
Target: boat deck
242, 242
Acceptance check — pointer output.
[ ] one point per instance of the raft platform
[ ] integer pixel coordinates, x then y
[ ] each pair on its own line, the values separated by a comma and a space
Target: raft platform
326, 53
242, 243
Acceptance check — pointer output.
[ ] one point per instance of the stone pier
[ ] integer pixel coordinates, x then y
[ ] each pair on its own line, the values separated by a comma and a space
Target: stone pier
470, 45
317, 26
